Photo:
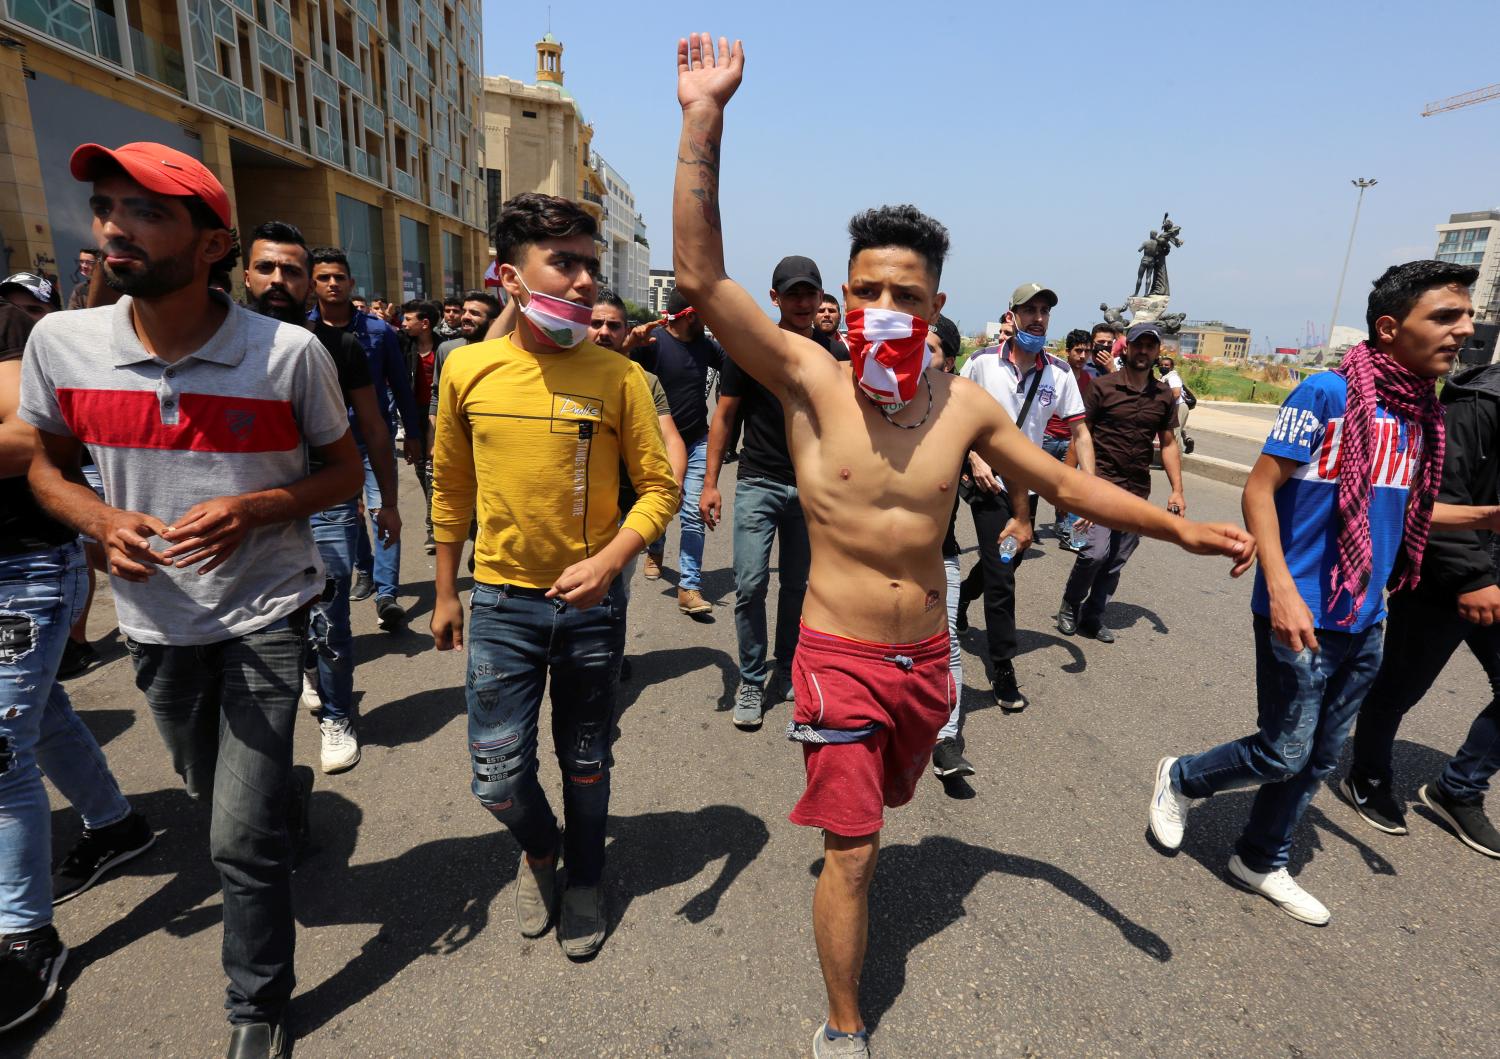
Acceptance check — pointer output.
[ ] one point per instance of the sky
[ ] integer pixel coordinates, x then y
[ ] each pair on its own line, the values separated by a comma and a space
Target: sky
1050, 139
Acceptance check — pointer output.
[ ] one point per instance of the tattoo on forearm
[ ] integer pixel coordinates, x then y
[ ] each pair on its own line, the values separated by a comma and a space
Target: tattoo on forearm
704, 151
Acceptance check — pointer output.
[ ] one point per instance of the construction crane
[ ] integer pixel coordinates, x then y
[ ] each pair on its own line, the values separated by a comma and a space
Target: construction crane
1464, 99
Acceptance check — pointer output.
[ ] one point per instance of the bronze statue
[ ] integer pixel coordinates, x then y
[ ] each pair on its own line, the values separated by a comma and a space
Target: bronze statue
1151, 276
1115, 317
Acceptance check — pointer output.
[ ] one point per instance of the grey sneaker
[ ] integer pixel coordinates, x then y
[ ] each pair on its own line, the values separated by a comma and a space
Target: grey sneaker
856, 1045
536, 897
749, 705
581, 927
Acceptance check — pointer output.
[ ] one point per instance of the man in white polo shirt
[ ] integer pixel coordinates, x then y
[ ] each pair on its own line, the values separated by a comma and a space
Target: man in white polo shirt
199, 415
1032, 386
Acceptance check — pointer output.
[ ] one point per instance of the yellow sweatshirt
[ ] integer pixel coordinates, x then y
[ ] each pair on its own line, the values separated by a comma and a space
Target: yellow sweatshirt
536, 443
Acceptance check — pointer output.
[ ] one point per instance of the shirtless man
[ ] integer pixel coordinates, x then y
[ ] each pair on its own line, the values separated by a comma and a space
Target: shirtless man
876, 445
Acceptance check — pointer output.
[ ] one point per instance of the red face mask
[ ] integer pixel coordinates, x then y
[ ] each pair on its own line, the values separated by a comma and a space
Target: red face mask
888, 351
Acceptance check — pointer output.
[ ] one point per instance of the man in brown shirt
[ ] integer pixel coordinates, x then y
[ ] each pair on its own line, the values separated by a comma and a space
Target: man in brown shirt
1126, 409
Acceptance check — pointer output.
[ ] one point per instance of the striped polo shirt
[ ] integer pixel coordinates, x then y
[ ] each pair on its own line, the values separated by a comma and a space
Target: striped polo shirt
236, 416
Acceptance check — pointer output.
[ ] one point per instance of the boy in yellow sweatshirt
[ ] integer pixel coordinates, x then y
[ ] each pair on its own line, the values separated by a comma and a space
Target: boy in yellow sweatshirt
532, 433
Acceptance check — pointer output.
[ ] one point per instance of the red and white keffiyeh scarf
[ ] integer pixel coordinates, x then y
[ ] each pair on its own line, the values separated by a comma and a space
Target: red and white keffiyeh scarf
1375, 376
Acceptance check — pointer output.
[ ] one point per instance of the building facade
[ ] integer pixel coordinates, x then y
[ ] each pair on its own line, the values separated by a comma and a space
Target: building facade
536, 139
661, 283
626, 252
356, 120
1473, 239
1213, 340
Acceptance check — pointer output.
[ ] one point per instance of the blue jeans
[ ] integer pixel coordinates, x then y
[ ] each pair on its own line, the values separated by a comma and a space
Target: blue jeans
692, 521
381, 561
517, 637
336, 533
1423, 633
226, 712
1306, 701
954, 728
41, 594
1057, 448
764, 509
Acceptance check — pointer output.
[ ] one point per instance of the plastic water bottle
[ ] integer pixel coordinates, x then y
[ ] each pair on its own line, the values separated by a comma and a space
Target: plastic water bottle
1008, 549
1078, 535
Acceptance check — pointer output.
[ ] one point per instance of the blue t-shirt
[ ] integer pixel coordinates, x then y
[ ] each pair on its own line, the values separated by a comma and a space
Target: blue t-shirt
1310, 431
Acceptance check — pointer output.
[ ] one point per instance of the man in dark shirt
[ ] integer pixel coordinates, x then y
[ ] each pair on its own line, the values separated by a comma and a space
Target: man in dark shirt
680, 355
42, 567
1126, 411
827, 324
334, 288
419, 323
766, 505
276, 284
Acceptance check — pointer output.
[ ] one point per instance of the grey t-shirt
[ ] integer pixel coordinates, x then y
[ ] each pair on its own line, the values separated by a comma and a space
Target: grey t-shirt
234, 417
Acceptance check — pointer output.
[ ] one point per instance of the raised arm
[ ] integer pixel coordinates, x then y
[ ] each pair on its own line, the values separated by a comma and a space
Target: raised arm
781, 360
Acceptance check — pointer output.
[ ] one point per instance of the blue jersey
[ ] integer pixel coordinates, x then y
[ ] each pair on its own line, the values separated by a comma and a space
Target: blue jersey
1310, 431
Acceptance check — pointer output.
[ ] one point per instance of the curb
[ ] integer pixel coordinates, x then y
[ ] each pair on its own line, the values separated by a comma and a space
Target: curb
1215, 468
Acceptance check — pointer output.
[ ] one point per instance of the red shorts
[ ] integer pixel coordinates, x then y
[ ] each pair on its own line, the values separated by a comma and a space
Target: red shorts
867, 716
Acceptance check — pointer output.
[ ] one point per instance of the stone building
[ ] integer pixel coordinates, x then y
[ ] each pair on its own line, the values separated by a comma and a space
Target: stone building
356, 120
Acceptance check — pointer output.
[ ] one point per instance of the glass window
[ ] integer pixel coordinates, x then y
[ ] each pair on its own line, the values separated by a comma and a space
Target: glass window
453, 264
416, 267
363, 238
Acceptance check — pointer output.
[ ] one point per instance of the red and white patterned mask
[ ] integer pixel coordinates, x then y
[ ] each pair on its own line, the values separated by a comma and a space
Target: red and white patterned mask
888, 351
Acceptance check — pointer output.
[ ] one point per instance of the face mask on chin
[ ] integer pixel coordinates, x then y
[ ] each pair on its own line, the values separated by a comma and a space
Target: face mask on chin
888, 352
557, 321
1030, 343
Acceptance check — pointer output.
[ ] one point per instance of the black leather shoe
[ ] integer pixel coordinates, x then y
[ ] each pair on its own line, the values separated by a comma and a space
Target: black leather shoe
1102, 634
1067, 620
258, 1040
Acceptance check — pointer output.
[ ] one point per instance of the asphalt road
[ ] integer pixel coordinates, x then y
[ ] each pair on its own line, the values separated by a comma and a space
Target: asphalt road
1024, 914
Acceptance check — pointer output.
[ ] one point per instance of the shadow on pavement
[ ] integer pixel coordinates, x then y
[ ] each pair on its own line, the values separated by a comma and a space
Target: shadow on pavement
655, 667
459, 880
653, 851
1028, 640
1119, 616
411, 719
920, 890
107, 724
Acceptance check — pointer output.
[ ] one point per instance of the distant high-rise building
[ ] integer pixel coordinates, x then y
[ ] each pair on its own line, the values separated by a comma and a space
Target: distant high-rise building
358, 122
625, 250
663, 281
1472, 239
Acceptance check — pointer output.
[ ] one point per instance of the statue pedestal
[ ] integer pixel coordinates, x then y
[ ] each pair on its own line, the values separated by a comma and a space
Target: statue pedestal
1152, 307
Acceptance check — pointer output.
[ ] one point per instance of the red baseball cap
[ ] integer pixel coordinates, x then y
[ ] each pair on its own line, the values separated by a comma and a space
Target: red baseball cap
158, 168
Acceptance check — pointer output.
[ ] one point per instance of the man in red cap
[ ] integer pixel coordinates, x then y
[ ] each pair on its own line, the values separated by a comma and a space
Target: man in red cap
200, 415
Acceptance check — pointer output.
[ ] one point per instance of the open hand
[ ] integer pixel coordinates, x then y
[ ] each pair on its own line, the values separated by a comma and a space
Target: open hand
208, 533
701, 78
1218, 538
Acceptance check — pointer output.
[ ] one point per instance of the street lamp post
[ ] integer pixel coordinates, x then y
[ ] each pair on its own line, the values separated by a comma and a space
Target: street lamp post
1361, 183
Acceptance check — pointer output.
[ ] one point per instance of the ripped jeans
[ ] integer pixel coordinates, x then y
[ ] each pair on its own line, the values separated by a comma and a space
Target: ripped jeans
331, 640
41, 593
1306, 701
516, 638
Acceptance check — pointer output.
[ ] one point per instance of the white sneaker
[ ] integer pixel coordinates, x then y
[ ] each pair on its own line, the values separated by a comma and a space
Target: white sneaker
311, 700
340, 747
1169, 807
1281, 890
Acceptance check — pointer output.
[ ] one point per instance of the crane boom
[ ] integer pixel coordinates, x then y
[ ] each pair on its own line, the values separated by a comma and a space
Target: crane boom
1464, 99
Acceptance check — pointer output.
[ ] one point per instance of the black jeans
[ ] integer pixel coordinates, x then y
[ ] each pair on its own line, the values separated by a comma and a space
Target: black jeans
995, 580
1421, 637
226, 712
1096, 574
